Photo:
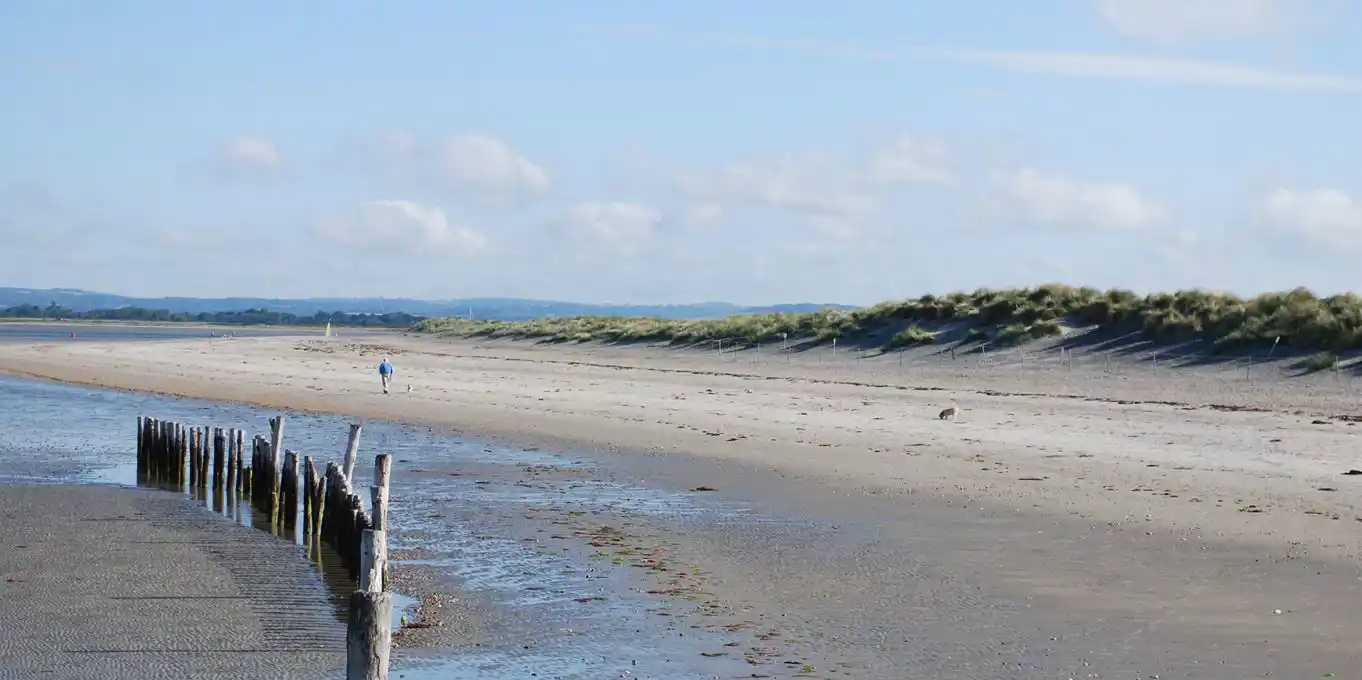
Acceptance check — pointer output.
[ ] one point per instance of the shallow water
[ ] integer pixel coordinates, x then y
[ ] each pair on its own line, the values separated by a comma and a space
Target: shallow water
58, 433
38, 332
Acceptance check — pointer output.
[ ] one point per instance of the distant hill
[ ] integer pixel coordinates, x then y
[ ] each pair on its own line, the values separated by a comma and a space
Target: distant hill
500, 309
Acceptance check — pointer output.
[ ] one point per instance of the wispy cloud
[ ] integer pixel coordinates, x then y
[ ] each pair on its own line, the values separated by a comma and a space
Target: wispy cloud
1093, 65
1173, 22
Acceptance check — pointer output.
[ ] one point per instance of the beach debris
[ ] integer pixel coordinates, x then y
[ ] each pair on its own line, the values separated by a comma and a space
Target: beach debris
704, 488
1353, 472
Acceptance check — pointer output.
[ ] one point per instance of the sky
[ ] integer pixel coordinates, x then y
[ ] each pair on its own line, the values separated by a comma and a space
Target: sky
751, 151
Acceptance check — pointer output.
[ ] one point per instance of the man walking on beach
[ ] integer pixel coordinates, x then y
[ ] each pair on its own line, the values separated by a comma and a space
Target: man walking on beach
385, 371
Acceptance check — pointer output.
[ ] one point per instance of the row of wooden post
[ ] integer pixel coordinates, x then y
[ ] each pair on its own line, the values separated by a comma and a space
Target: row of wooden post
333, 513
170, 453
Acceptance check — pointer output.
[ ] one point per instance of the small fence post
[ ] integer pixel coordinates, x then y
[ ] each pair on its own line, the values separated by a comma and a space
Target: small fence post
368, 638
352, 449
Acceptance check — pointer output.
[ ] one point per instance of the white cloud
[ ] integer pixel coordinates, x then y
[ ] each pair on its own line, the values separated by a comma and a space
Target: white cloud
908, 160
834, 194
401, 226
480, 169
1056, 201
1072, 64
800, 184
1324, 217
621, 226
1171, 71
250, 154
1173, 22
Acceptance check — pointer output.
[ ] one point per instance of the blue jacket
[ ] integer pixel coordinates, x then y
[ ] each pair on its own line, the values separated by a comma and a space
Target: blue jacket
385, 368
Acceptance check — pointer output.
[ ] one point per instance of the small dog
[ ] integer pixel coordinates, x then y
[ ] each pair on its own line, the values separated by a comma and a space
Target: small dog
408, 389
949, 413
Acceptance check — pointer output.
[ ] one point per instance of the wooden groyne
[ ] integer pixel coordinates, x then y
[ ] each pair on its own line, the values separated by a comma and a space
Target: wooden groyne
280, 485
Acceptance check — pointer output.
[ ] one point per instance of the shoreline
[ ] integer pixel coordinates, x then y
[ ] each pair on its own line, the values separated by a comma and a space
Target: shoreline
504, 395
1136, 499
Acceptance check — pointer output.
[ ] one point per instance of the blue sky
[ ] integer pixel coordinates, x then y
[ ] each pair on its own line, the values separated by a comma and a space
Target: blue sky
750, 151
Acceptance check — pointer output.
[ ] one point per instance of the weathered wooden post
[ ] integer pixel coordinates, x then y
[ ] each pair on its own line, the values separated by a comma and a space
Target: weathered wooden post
205, 455
257, 464
378, 510
179, 445
307, 496
200, 441
240, 452
352, 450
368, 637
141, 442
315, 501
276, 460
229, 485
193, 459
291, 474
219, 458
260, 475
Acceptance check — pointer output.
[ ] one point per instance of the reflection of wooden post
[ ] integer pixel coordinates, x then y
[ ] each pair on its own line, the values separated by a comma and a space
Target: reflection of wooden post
351, 450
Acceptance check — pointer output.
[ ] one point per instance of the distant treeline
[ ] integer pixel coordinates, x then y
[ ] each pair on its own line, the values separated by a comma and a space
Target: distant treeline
254, 317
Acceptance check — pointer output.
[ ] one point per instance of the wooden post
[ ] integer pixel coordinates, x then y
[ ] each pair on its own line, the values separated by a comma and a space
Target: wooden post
368, 635
181, 450
308, 500
258, 473
141, 443
378, 509
317, 500
230, 486
352, 450
373, 552
205, 451
291, 492
219, 458
179, 442
276, 467
383, 465
368, 638
240, 451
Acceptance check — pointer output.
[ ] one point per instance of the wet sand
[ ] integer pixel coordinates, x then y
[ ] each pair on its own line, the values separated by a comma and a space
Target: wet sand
110, 583
1072, 521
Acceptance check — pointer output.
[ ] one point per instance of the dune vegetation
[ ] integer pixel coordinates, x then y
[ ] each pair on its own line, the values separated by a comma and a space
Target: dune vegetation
1302, 321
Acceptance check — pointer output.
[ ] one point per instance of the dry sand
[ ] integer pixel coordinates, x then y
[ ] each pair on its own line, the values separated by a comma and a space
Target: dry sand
1177, 499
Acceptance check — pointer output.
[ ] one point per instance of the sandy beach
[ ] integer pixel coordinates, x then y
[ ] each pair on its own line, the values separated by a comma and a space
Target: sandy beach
1178, 519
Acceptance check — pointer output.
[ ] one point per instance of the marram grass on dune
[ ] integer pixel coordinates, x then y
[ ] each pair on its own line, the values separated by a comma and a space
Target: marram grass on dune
1301, 319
